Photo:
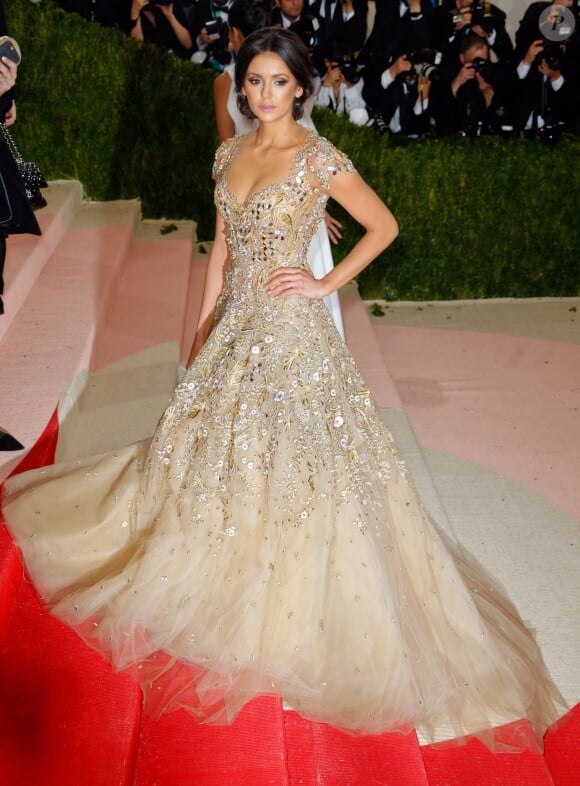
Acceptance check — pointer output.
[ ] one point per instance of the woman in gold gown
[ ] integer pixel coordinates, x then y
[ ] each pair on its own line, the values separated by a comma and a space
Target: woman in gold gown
268, 539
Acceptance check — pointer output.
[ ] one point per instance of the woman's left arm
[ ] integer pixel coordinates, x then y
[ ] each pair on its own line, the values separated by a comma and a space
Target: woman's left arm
381, 228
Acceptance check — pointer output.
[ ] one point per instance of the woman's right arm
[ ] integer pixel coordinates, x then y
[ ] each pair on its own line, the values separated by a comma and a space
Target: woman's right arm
221, 91
213, 285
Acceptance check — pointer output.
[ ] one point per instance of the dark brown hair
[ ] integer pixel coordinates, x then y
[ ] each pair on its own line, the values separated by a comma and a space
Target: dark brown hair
293, 52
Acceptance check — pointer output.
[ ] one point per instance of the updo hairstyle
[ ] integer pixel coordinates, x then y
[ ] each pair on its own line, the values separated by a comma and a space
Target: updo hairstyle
288, 46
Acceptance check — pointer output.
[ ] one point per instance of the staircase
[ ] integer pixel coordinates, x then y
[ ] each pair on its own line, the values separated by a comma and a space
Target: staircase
100, 301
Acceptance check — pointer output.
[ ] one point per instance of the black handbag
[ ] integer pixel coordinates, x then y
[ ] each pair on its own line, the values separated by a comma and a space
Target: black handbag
16, 213
31, 175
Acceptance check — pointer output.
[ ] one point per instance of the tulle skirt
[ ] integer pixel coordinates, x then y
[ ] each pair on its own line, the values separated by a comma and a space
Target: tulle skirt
269, 540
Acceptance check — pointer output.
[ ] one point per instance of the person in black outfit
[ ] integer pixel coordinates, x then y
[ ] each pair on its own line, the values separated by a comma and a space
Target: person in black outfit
472, 96
457, 18
399, 28
546, 95
286, 13
340, 20
529, 28
16, 216
547, 75
215, 43
170, 25
398, 100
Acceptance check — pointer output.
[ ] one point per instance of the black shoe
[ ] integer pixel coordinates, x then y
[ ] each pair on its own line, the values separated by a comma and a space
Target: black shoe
8, 442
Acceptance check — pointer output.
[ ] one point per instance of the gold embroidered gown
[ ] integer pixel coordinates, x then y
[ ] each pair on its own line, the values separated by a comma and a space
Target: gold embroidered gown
268, 538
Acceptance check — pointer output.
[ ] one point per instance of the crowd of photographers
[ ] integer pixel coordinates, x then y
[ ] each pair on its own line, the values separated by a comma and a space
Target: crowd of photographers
407, 67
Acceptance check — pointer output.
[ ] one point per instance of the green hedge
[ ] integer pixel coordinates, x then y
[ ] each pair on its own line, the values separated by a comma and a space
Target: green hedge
478, 218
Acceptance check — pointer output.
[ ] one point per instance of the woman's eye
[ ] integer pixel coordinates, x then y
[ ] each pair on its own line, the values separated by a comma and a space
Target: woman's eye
254, 81
281, 82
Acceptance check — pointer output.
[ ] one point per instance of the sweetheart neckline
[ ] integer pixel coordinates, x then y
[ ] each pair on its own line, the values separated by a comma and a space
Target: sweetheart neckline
276, 183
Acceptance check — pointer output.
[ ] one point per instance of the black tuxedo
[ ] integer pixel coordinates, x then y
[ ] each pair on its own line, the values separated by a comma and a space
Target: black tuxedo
16, 215
394, 35
399, 95
161, 32
529, 29
334, 28
276, 16
449, 42
535, 96
466, 111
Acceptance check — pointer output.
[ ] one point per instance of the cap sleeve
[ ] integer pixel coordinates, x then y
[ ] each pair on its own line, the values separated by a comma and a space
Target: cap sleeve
327, 161
221, 158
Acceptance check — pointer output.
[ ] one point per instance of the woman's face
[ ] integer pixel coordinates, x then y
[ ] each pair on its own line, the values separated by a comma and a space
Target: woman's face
270, 87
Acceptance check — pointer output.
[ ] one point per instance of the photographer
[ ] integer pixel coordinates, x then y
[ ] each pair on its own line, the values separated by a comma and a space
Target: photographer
342, 85
16, 216
472, 96
529, 27
287, 12
290, 15
210, 32
399, 100
399, 27
340, 20
167, 23
457, 18
546, 100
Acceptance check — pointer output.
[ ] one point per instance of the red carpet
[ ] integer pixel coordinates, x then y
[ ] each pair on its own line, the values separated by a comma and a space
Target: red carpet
67, 720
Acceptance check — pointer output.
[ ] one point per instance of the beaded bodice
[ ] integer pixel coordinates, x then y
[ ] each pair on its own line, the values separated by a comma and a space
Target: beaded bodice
275, 224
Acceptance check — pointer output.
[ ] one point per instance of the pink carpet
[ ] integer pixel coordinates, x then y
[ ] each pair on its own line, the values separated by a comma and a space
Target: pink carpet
511, 404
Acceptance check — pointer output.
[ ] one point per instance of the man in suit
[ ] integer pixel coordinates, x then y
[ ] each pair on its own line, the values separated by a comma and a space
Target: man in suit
169, 25
287, 12
529, 27
340, 20
399, 99
456, 18
546, 95
15, 212
399, 28
472, 96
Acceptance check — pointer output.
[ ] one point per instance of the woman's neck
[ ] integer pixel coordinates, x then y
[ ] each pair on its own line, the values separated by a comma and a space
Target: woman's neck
282, 134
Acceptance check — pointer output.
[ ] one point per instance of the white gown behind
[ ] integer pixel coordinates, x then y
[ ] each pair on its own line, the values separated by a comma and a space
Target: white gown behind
319, 251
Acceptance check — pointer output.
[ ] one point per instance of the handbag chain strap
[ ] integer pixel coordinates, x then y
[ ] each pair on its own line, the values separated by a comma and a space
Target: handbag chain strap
9, 139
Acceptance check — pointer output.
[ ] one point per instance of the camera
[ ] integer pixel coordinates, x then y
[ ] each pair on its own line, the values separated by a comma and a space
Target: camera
349, 70
425, 63
552, 54
484, 67
218, 34
481, 15
212, 29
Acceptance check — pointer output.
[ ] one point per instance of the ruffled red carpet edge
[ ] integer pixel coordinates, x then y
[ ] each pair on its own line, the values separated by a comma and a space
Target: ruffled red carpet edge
66, 719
